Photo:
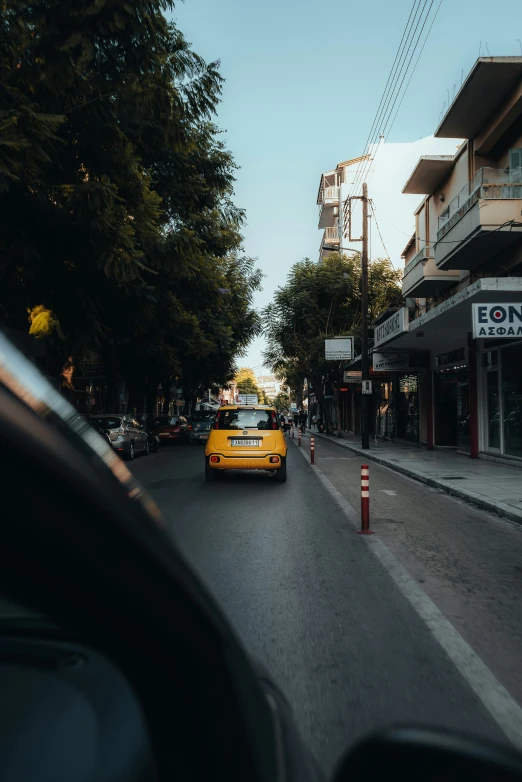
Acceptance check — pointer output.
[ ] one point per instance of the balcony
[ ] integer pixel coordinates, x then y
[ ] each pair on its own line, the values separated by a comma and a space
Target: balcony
330, 241
422, 279
482, 220
328, 207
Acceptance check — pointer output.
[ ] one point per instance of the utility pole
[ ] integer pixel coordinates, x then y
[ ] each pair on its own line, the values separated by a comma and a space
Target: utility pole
365, 440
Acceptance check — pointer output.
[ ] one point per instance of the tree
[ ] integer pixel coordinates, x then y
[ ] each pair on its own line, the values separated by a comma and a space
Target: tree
282, 401
320, 301
109, 155
246, 382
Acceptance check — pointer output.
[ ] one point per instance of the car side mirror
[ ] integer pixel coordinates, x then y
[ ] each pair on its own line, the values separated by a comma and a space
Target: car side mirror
424, 755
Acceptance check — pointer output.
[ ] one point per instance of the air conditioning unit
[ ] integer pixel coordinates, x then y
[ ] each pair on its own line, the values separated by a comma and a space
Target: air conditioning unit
336, 211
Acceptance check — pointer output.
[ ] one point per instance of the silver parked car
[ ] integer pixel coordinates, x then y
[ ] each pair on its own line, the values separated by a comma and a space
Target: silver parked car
127, 436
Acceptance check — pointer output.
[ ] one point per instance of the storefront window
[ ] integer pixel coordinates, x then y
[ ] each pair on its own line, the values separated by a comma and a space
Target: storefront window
511, 363
408, 408
463, 410
451, 404
445, 396
493, 409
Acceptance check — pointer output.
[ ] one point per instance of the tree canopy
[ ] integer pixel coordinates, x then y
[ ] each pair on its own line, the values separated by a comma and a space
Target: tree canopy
117, 226
319, 301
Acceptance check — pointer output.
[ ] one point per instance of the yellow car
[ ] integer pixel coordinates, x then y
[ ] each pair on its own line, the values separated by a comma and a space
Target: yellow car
246, 437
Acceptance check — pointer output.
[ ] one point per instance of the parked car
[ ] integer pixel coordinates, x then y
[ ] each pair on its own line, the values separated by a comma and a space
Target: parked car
172, 429
202, 424
148, 423
125, 433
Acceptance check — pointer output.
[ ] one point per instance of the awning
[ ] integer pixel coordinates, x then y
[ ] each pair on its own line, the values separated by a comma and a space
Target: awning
452, 318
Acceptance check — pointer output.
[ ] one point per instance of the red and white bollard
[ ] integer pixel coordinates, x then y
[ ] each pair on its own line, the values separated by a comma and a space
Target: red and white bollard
365, 501
312, 450
299, 436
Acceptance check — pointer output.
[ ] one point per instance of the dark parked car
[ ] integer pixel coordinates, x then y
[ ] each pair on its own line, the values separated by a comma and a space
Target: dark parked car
125, 433
202, 424
148, 423
172, 429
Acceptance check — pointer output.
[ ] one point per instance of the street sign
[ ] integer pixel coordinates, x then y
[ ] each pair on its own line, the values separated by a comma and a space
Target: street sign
352, 377
367, 386
396, 324
340, 349
248, 399
497, 320
391, 362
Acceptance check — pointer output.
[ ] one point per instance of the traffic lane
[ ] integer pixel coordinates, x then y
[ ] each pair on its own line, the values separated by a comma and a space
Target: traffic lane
467, 561
307, 597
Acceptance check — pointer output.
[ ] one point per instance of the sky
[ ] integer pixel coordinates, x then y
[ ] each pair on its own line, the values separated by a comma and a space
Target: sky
303, 82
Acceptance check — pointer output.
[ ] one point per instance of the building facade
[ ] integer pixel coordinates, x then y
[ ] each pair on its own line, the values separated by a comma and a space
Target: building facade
461, 328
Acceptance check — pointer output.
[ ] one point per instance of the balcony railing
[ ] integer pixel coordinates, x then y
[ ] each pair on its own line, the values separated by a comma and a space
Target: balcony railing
421, 257
487, 183
330, 194
331, 235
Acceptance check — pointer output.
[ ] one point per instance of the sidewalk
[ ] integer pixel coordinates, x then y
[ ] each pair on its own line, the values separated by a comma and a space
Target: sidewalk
493, 487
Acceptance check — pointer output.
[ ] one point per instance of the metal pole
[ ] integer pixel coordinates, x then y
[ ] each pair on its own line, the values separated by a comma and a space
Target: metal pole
365, 501
365, 440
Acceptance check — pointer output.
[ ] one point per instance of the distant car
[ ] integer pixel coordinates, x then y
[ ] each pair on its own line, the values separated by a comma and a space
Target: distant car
202, 424
125, 434
172, 429
246, 437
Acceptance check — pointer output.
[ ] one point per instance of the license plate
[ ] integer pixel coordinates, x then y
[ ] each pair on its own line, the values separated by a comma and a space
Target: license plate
246, 443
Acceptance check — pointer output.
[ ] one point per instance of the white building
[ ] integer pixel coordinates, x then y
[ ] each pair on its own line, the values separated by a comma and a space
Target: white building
390, 167
270, 385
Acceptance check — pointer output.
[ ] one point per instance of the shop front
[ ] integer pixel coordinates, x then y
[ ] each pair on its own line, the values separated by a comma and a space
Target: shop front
501, 397
451, 398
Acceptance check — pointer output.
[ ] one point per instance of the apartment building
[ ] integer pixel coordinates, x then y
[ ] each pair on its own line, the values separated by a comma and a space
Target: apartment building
334, 188
462, 326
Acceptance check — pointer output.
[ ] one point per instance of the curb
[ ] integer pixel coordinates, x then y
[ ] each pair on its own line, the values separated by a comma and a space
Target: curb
497, 508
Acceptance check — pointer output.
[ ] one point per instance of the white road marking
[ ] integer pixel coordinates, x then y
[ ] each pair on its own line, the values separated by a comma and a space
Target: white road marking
388, 491
496, 699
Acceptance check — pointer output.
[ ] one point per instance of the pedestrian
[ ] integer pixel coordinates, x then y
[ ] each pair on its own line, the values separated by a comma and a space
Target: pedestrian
314, 420
302, 421
296, 418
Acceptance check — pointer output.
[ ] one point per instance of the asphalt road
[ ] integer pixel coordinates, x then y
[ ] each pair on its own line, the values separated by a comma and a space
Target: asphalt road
310, 599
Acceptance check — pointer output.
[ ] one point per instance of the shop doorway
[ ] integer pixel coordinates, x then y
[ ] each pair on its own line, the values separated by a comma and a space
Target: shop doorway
502, 400
451, 408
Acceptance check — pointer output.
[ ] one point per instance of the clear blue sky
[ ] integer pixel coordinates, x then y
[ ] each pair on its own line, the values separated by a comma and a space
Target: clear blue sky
303, 81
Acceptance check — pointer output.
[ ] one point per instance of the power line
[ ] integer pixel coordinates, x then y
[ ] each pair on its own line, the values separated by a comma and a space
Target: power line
384, 94
398, 74
415, 66
378, 229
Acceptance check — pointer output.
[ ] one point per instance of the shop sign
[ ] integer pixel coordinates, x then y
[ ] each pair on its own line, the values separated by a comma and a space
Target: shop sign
391, 362
340, 349
397, 324
451, 358
352, 377
497, 320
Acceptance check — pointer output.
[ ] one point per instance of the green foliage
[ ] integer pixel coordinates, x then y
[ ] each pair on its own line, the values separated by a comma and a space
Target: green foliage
319, 301
282, 401
246, 382
115, 191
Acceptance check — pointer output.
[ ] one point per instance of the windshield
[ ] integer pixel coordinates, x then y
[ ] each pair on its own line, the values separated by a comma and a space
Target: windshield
106, 423
355, 506
165, 421
246, 419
